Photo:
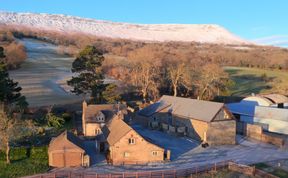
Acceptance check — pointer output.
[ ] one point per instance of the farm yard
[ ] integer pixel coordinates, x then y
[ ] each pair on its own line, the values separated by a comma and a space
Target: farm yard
254, 80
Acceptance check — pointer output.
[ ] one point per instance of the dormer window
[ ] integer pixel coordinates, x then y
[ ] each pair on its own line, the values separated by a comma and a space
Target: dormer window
131, 141
100, 117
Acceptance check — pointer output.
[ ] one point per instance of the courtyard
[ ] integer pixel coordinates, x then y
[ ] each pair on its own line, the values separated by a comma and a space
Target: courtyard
187, 153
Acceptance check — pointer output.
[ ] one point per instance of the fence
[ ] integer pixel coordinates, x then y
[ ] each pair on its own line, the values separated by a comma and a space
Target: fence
187, 172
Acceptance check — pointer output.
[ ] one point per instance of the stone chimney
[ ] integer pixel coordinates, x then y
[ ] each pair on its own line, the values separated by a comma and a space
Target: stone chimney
84, 107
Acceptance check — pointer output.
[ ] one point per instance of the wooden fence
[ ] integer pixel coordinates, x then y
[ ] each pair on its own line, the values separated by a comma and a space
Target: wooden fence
187, 172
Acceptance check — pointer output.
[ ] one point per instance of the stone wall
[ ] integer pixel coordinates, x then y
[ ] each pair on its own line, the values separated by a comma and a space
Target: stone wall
253, 131
139, 153
91, 128
222, 133
195, 129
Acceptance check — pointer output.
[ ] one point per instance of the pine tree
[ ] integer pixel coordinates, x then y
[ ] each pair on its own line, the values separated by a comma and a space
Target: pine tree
90, 78
10, 97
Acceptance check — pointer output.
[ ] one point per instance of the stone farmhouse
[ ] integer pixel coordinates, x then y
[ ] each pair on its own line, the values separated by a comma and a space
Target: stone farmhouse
208, 122
67, 150
95, 116
126, 146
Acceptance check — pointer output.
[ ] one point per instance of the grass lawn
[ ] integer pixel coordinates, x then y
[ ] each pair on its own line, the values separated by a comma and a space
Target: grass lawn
24, 162
272, 170
223, 173
250, 80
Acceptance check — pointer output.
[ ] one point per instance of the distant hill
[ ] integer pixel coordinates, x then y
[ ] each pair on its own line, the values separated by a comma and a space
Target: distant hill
203, 33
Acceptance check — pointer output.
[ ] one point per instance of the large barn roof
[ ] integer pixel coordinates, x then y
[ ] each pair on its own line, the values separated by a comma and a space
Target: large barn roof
185, 107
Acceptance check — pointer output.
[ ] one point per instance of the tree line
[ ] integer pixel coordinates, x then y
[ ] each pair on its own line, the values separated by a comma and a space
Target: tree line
147, 75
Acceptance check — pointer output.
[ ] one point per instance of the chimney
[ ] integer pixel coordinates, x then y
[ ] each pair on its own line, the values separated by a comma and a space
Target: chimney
84, 107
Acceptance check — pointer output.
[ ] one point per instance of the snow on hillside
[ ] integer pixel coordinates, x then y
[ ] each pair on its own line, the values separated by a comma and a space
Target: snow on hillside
146, 32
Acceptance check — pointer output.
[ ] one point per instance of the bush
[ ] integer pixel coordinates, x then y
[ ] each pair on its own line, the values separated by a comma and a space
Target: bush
24, 161
66, 116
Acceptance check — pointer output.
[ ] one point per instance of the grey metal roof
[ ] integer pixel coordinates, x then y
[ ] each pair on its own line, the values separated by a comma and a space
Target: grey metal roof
276, 98
185, 107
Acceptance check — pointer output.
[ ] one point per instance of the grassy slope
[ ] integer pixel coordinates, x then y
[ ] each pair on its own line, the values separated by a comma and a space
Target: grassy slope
248, 80
23, 164
275, 171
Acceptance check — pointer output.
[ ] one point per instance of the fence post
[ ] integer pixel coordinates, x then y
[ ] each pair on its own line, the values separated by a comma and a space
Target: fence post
174, 173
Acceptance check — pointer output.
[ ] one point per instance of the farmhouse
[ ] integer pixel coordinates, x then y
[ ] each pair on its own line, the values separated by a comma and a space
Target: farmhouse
67, 150
94, 117
126, 146
209, 122
269, 111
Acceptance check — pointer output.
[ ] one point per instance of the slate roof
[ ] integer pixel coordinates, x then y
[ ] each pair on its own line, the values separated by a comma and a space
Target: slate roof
185, 107
276, 98
115, 130
66, 135
107, 109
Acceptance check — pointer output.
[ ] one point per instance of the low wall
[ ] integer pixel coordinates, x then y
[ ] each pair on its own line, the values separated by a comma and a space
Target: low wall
244, 169
256, 132
249, 170
272, 139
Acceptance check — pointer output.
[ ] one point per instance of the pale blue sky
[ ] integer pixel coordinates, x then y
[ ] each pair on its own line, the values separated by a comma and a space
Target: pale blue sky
263, 20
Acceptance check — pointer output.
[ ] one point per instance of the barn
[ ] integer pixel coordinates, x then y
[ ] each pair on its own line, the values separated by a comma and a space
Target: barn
67, 150
270, 111
208, 122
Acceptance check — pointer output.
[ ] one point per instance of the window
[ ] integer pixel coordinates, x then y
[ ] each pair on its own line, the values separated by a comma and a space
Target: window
131, 141
226, 116
97, 131
126, 154
154, 153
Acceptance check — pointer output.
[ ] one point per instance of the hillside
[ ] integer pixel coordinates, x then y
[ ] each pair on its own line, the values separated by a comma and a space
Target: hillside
203, 33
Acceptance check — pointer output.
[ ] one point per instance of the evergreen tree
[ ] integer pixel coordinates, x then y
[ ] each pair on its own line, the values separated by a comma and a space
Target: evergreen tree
10, 97
89, 78
111, 95
9, 90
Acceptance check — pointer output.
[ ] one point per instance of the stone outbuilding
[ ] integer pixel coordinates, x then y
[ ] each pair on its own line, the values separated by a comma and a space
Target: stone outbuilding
126, 146
95, 116
67, 150
208, 122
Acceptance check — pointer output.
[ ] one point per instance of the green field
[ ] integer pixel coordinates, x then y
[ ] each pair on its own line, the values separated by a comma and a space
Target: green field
24, 162
253, 80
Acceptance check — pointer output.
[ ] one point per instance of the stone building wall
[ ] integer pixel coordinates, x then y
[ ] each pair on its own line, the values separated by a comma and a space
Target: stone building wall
141, 152
222, 133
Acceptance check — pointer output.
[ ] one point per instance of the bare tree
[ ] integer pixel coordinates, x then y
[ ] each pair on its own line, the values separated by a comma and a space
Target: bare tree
176, 75
12, 128
211, 81
143, 76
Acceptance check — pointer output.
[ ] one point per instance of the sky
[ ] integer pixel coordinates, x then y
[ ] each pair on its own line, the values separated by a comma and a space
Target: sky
262, 21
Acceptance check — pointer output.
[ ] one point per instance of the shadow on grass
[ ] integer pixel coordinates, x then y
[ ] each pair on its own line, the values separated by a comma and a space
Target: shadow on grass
249, 83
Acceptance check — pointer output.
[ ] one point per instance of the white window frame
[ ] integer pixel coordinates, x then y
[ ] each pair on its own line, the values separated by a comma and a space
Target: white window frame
131, 141
154, 153
126, 154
